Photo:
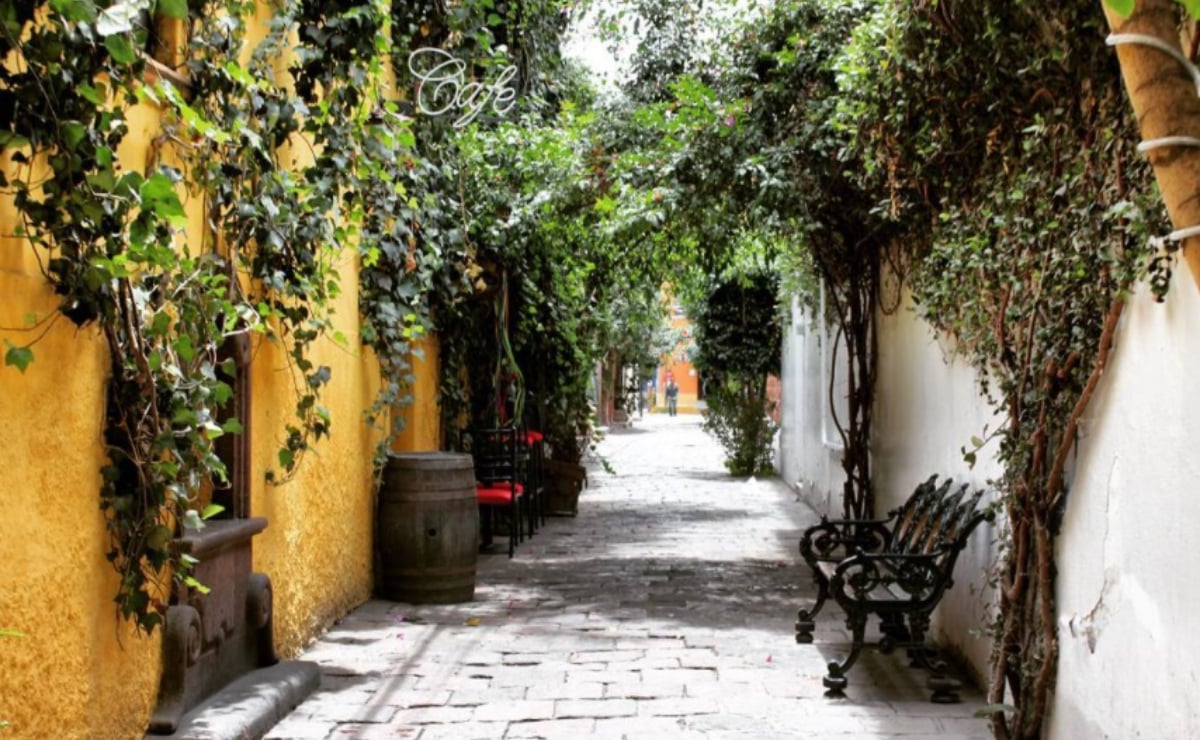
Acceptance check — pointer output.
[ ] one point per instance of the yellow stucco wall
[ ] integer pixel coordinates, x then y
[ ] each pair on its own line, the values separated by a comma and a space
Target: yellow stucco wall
422, 420
79, 672
318, 544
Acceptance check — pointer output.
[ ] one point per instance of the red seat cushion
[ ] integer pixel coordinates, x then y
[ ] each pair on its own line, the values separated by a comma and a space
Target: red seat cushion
502, 485
493, 496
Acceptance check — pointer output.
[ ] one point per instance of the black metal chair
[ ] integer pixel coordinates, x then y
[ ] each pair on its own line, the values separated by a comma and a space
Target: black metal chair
499, 482
536, 479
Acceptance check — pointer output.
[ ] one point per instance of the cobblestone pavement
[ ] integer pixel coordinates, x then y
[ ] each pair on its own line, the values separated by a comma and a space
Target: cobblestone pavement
664, 610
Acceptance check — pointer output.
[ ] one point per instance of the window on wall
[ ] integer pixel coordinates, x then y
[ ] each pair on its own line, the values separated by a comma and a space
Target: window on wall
234, 449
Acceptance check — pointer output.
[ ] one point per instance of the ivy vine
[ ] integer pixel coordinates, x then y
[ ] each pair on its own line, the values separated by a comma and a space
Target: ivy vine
1024, 182
292, 172
107, 239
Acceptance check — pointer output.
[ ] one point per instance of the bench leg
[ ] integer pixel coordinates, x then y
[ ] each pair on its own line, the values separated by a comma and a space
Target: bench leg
836, 680
894, 632
805, 623
918, 626
945, 688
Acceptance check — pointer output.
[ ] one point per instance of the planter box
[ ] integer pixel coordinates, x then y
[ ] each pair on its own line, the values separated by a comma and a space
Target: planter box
564, 481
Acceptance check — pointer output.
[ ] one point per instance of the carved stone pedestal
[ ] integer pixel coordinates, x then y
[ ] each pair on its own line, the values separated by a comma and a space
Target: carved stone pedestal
211, 639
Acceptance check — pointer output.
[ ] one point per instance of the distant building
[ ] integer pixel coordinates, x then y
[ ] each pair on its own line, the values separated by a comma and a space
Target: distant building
678, 365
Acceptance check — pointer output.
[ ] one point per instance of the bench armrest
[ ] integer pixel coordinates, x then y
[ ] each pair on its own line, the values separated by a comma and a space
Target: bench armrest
837, 539
893, 578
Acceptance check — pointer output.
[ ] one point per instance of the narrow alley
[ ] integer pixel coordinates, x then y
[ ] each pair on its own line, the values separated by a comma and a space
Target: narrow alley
664, 610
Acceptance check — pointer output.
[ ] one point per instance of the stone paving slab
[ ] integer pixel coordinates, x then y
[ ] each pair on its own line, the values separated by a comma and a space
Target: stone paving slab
663, 611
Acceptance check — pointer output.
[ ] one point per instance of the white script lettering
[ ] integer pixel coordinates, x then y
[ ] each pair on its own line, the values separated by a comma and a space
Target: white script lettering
443, 87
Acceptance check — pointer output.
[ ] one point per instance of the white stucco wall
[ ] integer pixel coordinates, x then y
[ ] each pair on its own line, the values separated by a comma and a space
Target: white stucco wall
1127, 562
927, 408
806, 461
1128, 602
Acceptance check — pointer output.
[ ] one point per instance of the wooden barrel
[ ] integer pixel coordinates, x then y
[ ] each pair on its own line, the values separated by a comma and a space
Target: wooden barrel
428, 528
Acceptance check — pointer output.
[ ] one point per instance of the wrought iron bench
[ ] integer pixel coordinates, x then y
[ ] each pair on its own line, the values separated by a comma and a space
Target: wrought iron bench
897, 568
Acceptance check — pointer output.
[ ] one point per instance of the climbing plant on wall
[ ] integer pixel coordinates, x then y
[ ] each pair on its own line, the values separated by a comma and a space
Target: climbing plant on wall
106, 239
809, 178
1024, 183
294, 173
394, 201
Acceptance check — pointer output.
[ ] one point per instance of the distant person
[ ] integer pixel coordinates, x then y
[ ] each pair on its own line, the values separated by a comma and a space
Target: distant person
672, 398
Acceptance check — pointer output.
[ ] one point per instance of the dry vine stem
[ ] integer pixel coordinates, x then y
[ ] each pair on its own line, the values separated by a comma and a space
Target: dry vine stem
1036, 599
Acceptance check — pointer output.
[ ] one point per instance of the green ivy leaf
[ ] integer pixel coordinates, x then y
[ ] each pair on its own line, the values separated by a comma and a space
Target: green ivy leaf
76, 11
1192, 7
1123, 8
159, 195
320, 377
160, 324
89, 93
121, 50
18, 357
10, 140
211, 510
158, 537
73, 132
173, 8
191, 582
183, 347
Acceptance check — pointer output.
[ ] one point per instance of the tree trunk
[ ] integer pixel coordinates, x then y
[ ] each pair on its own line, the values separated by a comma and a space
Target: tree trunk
1166, 103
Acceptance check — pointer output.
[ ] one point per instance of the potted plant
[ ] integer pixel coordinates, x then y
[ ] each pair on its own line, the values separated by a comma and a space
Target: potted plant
568, 432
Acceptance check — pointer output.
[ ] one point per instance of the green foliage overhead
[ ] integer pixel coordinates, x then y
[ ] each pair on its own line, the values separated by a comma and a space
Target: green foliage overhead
576, 281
